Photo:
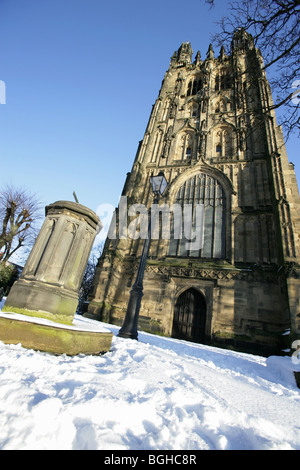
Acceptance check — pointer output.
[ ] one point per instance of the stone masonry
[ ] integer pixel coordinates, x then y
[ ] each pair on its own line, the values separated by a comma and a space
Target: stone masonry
213, 133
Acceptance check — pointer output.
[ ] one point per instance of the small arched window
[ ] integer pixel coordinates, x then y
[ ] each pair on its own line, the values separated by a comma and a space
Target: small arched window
217, 82
195, 85
185, 142
223, 143
221, 107
165, 109
194, 109
223, 80
188, 152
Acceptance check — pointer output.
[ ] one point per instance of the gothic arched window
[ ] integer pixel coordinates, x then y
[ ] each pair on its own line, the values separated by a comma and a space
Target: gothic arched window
195, 85
185, 142
222, 143
222, 80
200, 196
221, 107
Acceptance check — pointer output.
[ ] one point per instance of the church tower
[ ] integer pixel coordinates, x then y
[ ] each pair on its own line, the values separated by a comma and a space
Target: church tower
213, 133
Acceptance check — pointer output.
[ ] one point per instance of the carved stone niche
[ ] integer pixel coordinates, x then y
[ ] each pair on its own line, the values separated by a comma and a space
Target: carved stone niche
49, 284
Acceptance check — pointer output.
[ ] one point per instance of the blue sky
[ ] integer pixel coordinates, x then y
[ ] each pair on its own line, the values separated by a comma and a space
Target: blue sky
81, 77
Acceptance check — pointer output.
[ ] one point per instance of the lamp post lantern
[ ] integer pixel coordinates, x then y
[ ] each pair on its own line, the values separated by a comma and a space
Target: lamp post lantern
129, 328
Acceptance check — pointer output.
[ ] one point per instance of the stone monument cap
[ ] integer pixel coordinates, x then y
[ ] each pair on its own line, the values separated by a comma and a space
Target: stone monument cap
76, 210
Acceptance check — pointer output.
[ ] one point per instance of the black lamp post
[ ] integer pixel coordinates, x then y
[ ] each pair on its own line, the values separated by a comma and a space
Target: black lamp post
129, 328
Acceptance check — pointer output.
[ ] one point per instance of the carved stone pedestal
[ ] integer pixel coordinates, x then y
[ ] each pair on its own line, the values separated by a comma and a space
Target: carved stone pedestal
49, 284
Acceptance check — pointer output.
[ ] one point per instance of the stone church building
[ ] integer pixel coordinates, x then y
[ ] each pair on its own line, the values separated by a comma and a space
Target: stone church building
213, 133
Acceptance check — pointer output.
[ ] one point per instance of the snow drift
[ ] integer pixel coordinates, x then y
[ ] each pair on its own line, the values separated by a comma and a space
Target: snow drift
153, 394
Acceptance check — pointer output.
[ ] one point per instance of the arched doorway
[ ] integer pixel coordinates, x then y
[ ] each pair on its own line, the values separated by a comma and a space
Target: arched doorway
190, 316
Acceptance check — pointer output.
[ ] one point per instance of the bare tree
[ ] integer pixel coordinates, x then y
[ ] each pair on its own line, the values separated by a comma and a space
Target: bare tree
275, 28
19, 212
87, 280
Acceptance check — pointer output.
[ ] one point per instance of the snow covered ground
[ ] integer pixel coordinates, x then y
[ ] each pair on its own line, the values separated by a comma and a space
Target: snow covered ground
152, 394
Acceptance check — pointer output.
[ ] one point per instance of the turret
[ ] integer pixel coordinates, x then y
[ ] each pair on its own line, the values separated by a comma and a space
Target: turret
184, 54
242, 40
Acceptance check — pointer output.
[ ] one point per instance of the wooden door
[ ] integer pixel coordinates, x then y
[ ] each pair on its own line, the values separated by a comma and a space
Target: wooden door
190, 316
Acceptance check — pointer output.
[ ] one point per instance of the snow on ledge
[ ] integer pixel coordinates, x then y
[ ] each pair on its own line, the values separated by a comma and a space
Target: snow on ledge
79, 323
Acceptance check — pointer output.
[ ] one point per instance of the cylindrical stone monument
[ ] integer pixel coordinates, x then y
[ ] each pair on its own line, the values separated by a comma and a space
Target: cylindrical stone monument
49, 284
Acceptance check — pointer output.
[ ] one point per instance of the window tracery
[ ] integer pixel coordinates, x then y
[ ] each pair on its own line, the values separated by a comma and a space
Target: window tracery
194, 86
222, 80
206, 190
186, 141
223, 143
